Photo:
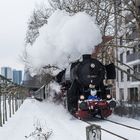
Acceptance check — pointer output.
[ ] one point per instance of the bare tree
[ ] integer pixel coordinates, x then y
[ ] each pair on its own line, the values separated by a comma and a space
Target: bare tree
101, 9
38, 19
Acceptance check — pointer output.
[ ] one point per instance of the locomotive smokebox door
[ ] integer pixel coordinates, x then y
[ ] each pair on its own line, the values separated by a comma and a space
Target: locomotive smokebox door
93, 132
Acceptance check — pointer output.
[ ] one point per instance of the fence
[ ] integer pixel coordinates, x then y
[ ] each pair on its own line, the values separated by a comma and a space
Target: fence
11, 97
129, 109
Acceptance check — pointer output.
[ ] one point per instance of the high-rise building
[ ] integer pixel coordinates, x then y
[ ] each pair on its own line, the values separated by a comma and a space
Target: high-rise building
6, 72
17, 76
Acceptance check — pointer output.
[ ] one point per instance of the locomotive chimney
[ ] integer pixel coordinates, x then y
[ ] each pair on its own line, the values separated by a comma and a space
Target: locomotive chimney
86, 56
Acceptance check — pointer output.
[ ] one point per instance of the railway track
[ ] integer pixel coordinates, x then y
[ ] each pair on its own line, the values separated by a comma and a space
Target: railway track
128, 126
121, 124
112, 133
117, 125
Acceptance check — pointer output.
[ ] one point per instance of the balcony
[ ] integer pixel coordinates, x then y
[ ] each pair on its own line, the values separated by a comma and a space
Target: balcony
135, 57
137, 75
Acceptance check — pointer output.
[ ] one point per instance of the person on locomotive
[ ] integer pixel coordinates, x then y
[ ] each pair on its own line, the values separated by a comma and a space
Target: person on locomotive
93, 93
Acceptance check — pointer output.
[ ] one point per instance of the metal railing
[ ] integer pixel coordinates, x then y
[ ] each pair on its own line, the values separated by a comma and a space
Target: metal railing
11, 97
128, 108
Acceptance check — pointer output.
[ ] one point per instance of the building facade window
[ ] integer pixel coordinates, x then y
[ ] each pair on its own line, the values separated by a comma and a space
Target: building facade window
138, 67
128, 76
122, 76
139, 48
121, 57
135, 68
128, 52
121, 94
121, 40
134, 49
133, 94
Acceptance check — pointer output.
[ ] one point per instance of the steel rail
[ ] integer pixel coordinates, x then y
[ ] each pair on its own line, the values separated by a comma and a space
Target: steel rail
119, 123
123, 124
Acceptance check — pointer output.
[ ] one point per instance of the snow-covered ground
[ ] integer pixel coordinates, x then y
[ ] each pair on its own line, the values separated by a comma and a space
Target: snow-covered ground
55, 118
49, 116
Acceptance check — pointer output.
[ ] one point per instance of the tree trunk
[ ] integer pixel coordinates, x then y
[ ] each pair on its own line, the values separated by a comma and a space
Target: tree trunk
5, 107
3, 118
0, 112
13, 110
9, 102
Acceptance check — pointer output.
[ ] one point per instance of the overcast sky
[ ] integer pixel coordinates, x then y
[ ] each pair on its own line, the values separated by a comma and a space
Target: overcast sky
14, 15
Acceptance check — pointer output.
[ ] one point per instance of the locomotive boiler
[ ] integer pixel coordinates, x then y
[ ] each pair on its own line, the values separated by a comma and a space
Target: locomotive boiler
86, 90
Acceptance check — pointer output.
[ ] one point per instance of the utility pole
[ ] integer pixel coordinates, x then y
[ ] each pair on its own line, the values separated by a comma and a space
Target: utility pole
116, 40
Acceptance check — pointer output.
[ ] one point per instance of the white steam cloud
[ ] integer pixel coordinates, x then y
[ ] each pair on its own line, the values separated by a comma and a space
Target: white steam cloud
65, 38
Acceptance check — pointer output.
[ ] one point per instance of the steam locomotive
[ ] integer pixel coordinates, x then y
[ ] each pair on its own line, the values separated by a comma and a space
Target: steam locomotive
86, 92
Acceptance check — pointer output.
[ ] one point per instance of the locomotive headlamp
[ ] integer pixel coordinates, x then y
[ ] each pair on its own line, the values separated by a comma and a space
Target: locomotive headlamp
92, 65
108, 96
82, 97
83, 106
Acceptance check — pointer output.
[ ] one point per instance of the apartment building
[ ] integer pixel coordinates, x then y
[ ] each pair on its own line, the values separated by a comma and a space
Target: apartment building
128, 83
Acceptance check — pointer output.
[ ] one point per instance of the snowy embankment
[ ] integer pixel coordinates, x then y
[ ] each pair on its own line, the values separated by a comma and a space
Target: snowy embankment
50, 116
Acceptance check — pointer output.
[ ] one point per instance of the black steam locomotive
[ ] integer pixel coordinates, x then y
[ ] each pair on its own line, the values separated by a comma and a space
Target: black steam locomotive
84, 88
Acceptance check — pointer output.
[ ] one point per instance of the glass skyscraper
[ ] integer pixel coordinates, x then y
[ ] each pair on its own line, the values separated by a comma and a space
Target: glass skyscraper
6, 72
17, 76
